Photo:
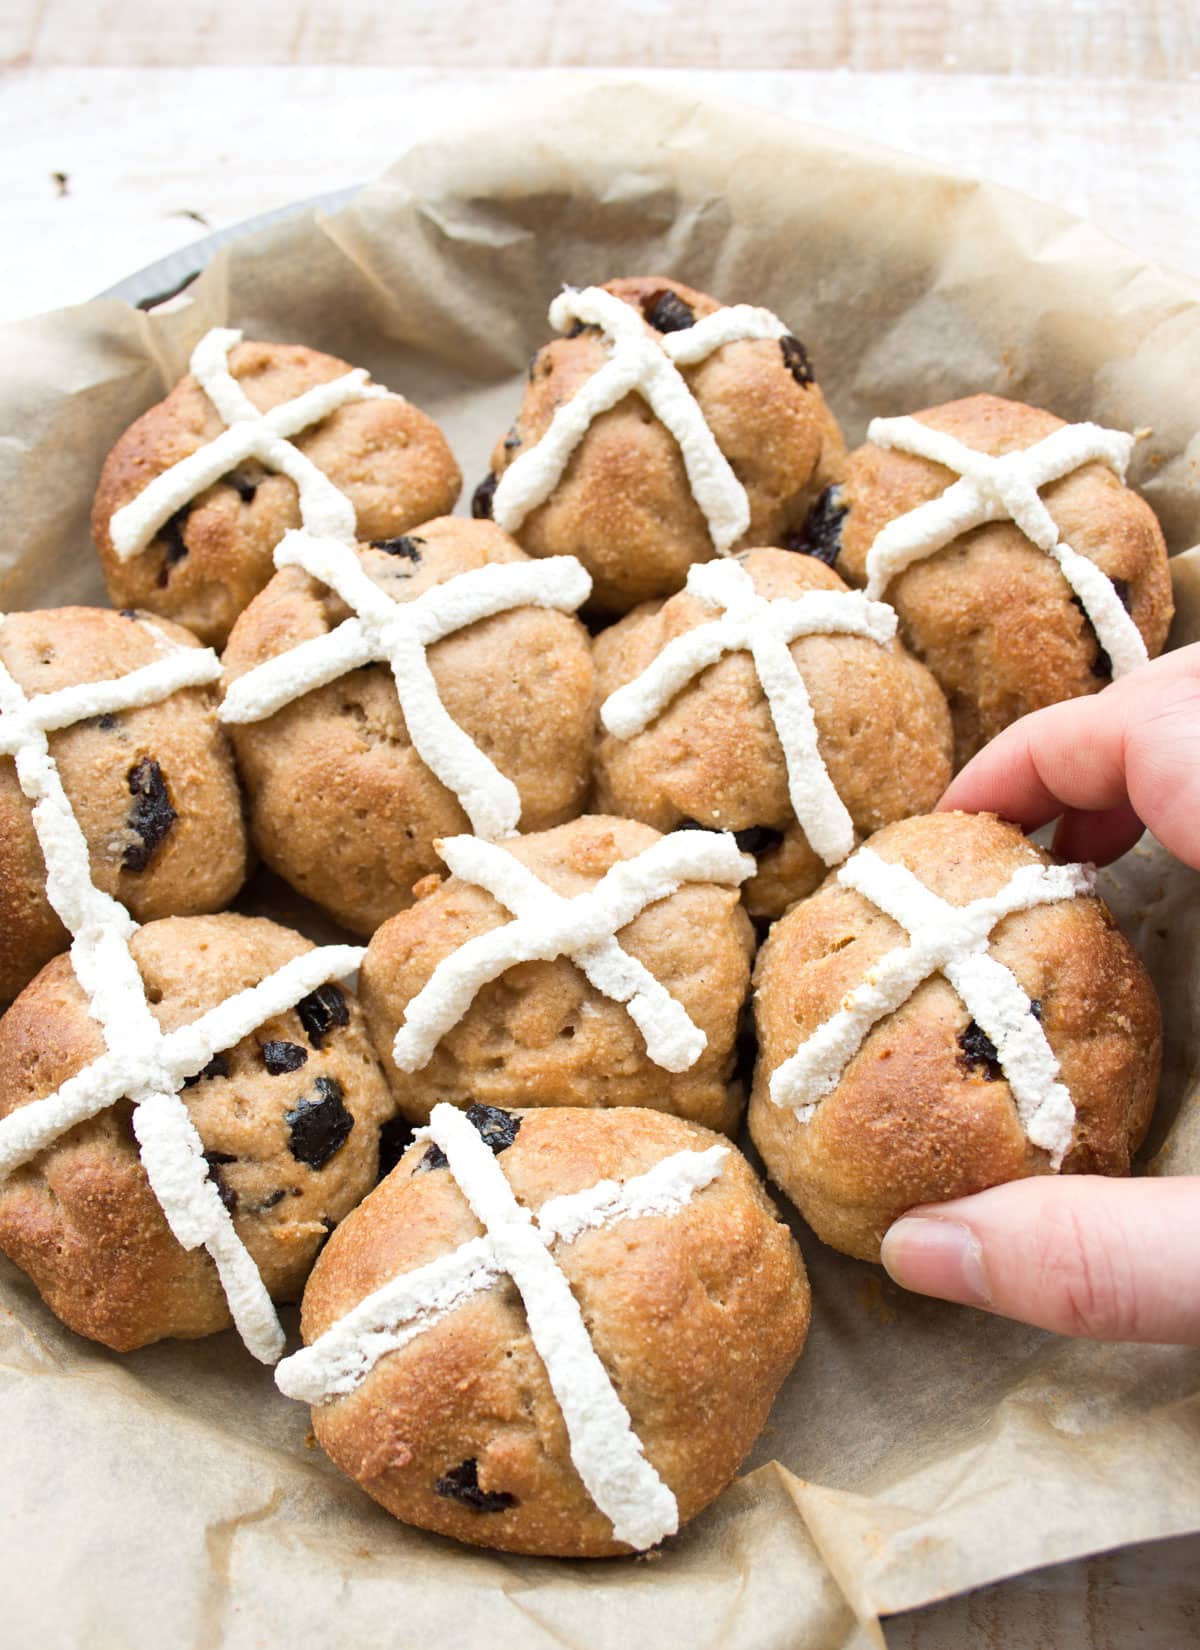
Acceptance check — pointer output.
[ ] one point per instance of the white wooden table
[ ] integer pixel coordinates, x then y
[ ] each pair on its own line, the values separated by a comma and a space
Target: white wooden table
105, 169
129, 129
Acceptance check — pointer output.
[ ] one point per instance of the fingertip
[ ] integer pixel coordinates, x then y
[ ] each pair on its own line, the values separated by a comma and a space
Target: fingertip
938, 1257
1003, 778
1084, 1255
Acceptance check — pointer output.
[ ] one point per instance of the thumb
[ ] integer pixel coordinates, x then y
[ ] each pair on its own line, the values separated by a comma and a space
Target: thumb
1115, 1260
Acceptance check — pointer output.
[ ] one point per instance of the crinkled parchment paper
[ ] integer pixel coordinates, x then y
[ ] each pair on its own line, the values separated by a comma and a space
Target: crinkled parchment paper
170, 1497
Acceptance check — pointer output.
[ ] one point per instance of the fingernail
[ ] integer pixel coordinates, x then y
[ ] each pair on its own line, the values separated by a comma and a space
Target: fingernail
937, 1257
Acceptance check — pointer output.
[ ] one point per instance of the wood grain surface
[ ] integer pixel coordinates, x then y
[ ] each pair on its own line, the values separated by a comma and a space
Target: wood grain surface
1144, 1598
1149, 39
104, 170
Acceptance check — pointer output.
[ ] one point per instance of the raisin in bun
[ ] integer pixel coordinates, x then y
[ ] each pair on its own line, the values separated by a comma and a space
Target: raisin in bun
655, 1305
712, 756
152, 787
341, 803
289, 1118
624, 504
208, 560
886, 1110
991, 614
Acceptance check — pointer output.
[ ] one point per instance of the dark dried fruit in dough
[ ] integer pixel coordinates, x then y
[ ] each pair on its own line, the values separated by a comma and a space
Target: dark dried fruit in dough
461, 1483
667, 312
321, 1012
319, 1127
979, 1052
280, 1057
697, 1316
218, 1066
795, 359
481, 498
405, 546
496, 1128
151, 816
395, 1137
923, 1111
624, 505
81, 1218
225, 1191
753, 839
822, 533
174, 546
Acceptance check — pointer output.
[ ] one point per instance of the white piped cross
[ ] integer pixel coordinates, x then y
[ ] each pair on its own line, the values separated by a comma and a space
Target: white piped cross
951, 940
548, 925
248, 434
606, 1452
1000, 489
149, 1066
24, 724
142, 1063
398, 633
648, 364
764, 629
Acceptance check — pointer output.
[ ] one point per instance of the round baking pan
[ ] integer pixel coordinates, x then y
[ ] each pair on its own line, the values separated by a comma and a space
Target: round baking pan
167, 277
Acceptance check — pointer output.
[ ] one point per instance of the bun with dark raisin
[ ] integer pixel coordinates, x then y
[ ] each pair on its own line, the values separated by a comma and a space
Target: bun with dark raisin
626, 502
994, 616
711, 756
213, 553
289, 1119
1005, 1028
341, 803
600, 1393
153, 787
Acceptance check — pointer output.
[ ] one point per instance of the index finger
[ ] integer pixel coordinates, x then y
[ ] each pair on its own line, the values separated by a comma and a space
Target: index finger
1130, 756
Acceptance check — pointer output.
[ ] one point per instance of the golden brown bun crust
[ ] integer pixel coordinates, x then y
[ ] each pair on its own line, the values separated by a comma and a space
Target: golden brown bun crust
991, 614
390, 460
624, 505
542, 1035
341, 805
80, 1218
698, 1316
200, 862
913, 1120
713, 756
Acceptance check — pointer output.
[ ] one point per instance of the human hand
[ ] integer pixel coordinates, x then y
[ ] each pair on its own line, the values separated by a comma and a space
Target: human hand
1083, 1255
1112, 765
